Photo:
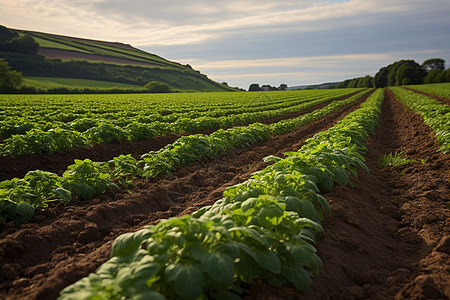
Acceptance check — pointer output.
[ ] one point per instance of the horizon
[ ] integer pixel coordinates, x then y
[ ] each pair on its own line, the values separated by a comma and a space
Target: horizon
295, 42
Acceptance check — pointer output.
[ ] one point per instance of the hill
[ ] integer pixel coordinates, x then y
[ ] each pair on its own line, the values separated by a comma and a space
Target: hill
57, 56
312, 86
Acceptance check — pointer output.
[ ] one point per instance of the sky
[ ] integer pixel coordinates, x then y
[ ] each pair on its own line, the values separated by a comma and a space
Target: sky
254, 41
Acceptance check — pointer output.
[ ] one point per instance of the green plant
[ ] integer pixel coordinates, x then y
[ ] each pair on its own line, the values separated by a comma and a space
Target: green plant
395, 160
20, 197
86, 178
263, 228
434, 114
124, 168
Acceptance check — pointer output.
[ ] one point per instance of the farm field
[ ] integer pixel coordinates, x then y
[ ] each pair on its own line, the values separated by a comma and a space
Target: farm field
46, 83
385, 237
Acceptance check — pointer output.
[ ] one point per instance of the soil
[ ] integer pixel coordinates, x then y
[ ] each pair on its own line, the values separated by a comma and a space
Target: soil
18, 166
386, 238
439, 98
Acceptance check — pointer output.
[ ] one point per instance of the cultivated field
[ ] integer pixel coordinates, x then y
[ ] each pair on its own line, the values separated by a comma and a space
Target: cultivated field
324, 194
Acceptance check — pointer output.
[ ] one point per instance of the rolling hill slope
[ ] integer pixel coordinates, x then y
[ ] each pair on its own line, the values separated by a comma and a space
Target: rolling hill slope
71, 57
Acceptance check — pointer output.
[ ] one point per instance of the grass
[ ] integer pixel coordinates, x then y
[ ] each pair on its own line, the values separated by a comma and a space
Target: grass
54, 82
56, 45
396, 160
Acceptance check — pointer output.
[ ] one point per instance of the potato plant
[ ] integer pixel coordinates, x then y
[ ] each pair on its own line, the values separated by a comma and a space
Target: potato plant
261, 229
434, 114
87, 178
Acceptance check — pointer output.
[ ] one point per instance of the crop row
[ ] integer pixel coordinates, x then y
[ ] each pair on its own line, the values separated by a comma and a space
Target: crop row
86, 131
20, 197
65, 108
262, 229
61, 111
437, 89
434, 114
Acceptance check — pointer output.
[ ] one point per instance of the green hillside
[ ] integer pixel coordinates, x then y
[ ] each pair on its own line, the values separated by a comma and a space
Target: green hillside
122, 65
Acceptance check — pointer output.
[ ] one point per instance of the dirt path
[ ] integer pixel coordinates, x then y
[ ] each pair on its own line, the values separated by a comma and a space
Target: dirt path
64, 244
11, 167
389, 237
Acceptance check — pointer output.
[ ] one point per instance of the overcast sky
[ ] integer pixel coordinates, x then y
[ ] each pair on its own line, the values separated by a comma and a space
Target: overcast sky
254, 41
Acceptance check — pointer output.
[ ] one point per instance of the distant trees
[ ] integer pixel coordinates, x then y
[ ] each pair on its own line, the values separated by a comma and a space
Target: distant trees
157, 87
6, 34
9, 79
255, 87
13, 42
434, 64
359, 82
402, 72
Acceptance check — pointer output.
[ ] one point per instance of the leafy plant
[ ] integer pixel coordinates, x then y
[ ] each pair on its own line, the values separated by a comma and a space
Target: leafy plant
395, 160
124, 168
263, 228
435, 114
87, 178
20, 197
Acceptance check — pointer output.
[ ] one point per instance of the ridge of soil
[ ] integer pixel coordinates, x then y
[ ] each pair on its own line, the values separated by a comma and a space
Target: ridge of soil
389, 236
443, 100
11, 167
65, 243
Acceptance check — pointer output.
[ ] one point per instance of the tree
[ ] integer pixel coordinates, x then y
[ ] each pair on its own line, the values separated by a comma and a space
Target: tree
400, 73
22, 44
254, 87
157, 87
380, 78
283, 87
434, 76
434, 64
9, 79
6, 34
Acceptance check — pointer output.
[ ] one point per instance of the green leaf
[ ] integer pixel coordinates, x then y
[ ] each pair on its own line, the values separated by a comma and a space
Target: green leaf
148, 295
246, 268
292, 203
307, 209
340, 176
269, 261
302, 252
63, 194
271, 211
326, 183
298, 276
220, 267
85, 191
187, 280
128, 243
271, 158
24, 213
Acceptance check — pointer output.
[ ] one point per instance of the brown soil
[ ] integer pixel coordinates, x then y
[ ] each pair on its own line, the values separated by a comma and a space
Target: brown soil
387, 238
65, 243
11, 167
439, 98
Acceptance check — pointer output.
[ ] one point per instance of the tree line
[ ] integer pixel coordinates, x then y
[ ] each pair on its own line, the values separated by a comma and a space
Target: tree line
403, 72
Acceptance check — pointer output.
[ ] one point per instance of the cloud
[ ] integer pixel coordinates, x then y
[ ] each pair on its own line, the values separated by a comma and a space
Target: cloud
304, 70
253, 38
170, 22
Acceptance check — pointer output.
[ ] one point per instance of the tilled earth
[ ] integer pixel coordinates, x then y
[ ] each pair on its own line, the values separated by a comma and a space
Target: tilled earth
386, 238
